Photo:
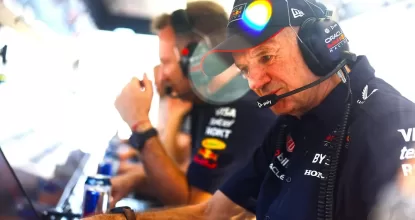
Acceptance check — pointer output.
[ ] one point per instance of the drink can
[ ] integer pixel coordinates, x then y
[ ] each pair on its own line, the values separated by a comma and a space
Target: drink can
105, 168
97, 194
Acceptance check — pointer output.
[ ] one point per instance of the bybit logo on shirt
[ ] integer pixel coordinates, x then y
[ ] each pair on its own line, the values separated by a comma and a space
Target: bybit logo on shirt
318, 158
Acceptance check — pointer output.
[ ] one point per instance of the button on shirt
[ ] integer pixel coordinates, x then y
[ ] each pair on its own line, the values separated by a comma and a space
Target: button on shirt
284, 182
219, 146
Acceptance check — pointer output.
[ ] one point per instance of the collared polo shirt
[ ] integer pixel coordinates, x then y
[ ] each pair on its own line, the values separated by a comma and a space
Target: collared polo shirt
283, 183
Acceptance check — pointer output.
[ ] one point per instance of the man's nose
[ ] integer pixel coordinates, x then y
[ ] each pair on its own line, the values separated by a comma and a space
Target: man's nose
257, 78
164, 73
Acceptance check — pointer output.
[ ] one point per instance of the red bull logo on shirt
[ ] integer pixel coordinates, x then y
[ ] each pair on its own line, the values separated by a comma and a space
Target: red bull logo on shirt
206, 158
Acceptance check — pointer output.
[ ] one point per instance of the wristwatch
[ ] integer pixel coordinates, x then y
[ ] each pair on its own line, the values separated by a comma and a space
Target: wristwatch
125, 210
138, 139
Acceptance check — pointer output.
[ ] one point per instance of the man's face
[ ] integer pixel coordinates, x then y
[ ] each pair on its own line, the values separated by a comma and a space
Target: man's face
170, 71
277, 67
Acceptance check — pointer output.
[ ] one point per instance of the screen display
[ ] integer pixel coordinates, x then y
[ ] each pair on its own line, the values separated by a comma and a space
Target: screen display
14, 204
49, 175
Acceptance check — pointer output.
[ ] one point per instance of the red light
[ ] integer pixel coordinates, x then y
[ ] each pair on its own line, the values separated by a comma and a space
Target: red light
185, 51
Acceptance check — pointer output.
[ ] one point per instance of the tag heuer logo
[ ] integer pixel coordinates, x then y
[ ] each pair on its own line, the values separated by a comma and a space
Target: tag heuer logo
237, 12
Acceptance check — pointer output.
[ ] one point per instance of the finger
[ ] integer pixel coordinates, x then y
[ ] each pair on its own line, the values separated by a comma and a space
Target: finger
147, 84
113, 200
134, 83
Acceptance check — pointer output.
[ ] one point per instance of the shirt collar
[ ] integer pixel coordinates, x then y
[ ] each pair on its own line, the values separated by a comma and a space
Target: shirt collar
331, 109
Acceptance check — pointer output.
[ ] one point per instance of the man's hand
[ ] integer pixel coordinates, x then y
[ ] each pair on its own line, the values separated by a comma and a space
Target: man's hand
134, 102
124, 184
177, 107
127, 152
126, 167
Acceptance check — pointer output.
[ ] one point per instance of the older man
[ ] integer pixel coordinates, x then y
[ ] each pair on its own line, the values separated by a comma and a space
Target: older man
344, 134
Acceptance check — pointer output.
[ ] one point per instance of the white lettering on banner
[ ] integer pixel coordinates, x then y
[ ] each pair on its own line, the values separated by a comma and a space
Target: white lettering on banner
313, 173
218, 132
220, 122
226, 112
408, 135
407, 153
408, 169
333, 37
319, 158
278, 173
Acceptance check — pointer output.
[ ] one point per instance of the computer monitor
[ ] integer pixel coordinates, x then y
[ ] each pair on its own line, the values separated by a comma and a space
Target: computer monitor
14, 203
49, 176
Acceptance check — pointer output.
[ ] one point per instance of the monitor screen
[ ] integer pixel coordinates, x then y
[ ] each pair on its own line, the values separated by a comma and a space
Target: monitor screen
49, 175
14, 204
41, 127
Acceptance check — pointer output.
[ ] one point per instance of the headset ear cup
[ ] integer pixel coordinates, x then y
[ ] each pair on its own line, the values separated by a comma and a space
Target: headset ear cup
329, 43
306, 46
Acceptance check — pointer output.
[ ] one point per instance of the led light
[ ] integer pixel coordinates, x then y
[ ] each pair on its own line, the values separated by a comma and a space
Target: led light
257, 14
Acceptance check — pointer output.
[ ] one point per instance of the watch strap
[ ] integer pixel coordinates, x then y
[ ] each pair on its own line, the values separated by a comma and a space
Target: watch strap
125, 210
138, 139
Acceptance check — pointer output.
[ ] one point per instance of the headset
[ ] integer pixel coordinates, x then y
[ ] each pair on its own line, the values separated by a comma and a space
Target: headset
193, 52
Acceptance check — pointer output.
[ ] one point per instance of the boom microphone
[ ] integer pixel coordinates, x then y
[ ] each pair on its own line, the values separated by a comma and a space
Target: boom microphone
270, 100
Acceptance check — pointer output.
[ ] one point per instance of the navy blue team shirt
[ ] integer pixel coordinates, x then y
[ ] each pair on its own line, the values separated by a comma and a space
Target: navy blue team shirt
284, 183
223, 139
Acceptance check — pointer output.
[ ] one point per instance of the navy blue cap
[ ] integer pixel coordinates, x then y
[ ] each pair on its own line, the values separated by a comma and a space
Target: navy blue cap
242, 34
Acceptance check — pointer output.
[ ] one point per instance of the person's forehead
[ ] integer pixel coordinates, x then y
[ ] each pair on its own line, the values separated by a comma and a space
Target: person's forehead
270, 45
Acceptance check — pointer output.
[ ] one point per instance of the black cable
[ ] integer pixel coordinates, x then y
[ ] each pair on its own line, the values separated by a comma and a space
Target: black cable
325, 201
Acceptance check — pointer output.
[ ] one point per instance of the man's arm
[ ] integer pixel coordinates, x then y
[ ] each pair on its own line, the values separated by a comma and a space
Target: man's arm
219, 207
173, 147
169, 182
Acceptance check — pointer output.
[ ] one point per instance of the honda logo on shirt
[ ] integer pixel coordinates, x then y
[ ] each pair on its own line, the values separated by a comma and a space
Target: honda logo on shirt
314, 173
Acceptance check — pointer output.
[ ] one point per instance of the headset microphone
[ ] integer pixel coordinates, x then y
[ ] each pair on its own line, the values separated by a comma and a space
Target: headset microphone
168, 90
270, 100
